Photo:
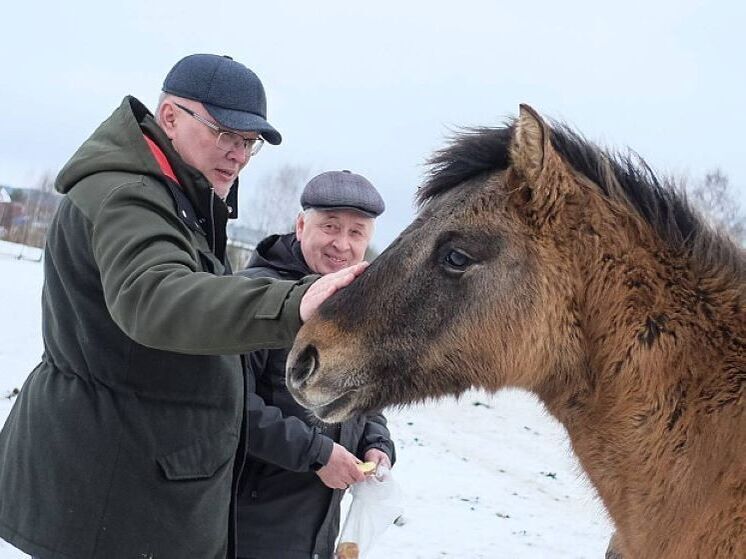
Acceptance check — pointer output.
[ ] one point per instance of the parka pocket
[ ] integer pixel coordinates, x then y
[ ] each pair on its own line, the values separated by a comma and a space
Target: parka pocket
199, 460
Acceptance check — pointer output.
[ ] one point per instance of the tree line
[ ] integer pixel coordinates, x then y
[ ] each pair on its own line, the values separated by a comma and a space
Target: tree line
272, 203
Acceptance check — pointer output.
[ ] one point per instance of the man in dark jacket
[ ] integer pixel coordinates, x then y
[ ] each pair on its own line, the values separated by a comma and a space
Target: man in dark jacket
296, 472
124, 441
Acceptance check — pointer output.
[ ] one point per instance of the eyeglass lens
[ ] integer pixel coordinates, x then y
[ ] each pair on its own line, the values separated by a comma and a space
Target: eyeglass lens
228, 141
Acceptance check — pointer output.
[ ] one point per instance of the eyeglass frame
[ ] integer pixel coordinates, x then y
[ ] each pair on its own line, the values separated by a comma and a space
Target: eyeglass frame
251, 145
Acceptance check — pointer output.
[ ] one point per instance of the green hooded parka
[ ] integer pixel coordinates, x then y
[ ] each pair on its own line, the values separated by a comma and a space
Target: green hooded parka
124, 440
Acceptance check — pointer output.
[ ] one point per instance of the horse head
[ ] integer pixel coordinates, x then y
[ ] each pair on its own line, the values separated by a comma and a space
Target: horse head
477, 291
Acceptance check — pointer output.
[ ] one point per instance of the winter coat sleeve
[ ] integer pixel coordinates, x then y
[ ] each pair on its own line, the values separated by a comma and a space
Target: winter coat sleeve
159, 296
376, 435
286, 442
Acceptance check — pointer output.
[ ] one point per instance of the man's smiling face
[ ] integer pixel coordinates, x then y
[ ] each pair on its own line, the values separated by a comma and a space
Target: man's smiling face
333, 239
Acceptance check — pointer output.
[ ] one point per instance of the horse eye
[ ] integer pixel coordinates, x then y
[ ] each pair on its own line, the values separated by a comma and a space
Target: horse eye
457, 260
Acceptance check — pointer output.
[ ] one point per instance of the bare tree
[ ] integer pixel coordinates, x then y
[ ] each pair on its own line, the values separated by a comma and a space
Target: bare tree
45, 183
270, 207
40, 203
276, 203
712, 195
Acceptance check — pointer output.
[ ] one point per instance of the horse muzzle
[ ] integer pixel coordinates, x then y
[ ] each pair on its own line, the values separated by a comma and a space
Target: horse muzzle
301, 365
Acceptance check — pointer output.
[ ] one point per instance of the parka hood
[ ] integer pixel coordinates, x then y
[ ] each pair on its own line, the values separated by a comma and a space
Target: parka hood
116, 145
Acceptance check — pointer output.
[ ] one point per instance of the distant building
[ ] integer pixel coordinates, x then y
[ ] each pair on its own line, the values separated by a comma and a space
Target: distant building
25, 214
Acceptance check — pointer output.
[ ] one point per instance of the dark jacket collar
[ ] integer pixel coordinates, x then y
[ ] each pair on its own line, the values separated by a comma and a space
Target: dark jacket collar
281, 253
211, 212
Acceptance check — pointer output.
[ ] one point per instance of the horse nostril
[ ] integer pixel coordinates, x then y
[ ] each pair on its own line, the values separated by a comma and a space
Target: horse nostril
305, 365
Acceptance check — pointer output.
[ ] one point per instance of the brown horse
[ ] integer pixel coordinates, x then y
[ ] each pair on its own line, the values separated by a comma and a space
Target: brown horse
542, 262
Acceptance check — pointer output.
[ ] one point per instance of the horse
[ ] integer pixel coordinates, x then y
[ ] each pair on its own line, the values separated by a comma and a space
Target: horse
541, 261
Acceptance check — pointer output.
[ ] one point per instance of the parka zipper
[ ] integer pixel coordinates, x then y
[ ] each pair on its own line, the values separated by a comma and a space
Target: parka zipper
212, 219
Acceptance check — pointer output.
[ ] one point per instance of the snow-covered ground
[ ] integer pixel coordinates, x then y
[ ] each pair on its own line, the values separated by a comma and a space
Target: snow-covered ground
488, 476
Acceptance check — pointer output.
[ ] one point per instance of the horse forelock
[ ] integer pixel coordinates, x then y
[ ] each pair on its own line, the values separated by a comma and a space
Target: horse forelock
470, 153
624, 178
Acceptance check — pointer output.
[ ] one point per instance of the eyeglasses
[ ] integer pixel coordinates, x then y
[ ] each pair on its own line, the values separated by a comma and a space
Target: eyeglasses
227, 140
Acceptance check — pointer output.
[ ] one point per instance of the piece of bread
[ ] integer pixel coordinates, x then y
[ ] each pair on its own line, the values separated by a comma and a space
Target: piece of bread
348, 550
367, 467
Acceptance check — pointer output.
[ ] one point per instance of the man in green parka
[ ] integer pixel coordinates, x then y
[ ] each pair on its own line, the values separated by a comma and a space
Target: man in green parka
125, 440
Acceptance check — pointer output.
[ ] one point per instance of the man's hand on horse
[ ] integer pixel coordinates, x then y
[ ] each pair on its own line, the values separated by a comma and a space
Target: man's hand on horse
326, 286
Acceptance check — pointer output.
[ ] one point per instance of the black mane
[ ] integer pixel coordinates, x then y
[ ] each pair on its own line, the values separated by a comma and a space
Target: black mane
473, 152
480, 151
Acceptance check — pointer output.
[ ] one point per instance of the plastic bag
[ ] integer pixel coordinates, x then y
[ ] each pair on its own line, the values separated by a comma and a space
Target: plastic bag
376, 503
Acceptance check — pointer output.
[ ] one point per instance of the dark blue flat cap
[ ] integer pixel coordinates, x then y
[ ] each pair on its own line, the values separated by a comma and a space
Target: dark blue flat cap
231, 93
342, 190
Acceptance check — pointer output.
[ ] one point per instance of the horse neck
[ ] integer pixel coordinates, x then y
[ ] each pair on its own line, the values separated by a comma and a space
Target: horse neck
655, 341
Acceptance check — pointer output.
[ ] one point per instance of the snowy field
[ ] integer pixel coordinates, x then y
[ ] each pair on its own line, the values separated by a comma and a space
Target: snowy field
488, 477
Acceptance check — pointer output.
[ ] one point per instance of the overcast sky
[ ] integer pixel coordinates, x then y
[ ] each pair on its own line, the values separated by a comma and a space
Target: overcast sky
375, 86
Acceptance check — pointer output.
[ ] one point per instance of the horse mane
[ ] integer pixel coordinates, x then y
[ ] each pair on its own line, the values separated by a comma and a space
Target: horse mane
475, 152
471, 153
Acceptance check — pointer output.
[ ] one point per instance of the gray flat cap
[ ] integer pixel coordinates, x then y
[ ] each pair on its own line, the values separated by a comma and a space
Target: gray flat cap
342, 190
230, 92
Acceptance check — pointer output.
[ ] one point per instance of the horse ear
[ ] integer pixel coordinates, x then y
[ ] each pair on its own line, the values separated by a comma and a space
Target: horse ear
535, 170
530, 144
